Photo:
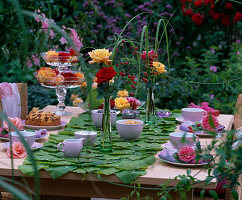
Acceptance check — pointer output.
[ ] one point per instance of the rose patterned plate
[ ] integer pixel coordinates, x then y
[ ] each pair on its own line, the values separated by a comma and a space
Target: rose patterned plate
166, 156
38, 137
35, 146
49, 128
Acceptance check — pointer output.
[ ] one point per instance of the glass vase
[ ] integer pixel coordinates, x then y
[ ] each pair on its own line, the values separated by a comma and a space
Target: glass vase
150, 107
106, 136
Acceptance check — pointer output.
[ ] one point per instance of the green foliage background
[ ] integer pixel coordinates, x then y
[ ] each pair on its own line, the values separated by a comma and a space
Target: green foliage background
189, 45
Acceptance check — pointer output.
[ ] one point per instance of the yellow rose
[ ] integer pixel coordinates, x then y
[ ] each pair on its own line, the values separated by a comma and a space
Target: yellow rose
123, 93
121, 103
100, 56
77, 101
158, 68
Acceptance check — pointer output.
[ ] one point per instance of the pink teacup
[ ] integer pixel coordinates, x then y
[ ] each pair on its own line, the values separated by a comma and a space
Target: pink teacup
71, 147
182, 139
193, 114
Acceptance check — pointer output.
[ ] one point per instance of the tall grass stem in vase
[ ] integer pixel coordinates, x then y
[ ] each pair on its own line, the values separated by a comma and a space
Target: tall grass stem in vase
150, 107
106, 137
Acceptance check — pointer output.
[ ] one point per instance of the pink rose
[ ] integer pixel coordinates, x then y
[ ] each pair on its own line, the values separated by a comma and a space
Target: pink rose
205, 106
206, 124
18, 150
17, 122
151, 55
134, 103
186, 154
5, 90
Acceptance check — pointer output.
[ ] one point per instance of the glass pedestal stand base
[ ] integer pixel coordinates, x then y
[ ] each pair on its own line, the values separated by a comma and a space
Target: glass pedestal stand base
61, 95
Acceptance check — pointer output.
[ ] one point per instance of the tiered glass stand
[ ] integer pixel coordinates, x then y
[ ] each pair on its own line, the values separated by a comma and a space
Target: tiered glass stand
65, 79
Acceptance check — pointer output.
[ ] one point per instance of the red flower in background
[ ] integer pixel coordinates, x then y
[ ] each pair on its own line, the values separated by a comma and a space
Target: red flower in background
226, 20
198, 18
105, 74
198, 3
228, 5
237, 17
188, 12
223, 10
216, 16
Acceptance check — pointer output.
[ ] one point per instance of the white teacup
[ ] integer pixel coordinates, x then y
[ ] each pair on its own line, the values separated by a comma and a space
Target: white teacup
29, 137
193, 114
182, 139
89, 136
71, 147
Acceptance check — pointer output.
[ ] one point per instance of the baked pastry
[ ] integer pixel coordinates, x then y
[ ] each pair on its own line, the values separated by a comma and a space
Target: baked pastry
41, 118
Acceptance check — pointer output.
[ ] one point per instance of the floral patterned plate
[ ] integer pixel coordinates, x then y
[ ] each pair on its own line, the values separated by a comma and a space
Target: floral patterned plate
35, 146
166, 156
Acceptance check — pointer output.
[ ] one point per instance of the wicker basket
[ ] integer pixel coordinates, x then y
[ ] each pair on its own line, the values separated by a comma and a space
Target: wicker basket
22, 88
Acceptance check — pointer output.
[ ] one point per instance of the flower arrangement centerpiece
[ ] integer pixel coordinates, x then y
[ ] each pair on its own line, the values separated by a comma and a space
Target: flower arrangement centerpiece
104, 76
127, 105
153, 69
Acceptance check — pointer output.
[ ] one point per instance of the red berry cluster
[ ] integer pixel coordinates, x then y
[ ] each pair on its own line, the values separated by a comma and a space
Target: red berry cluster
223, 11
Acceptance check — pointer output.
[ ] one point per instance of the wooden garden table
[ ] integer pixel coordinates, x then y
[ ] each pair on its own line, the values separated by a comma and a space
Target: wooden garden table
72, 184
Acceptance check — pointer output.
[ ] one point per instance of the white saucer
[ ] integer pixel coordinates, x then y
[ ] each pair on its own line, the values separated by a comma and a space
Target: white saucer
35, 146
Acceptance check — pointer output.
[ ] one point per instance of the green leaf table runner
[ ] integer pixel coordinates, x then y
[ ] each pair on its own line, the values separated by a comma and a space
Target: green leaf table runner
128, 160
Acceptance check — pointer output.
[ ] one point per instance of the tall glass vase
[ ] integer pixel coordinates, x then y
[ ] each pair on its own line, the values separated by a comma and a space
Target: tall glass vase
106, 137
150, 107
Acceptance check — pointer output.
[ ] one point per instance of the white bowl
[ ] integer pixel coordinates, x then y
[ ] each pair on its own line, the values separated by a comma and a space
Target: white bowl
97, 117
89, 136
129, 131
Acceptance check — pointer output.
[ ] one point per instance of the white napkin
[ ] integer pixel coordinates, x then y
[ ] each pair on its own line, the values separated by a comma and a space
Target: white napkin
11, 101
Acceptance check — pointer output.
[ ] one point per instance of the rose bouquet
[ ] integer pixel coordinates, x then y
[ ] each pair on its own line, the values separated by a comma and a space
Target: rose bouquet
104, 87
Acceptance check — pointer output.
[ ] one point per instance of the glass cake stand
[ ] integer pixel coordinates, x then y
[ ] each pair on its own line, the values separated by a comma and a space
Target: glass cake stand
66, 79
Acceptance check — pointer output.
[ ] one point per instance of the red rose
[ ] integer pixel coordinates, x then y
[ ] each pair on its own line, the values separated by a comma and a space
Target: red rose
188, 12
228, 5
206, 2
211, 12
226, 20
183, 1
112, 104
216, 16
198, 3
212, 6
237, 17
198, 18
105, 74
